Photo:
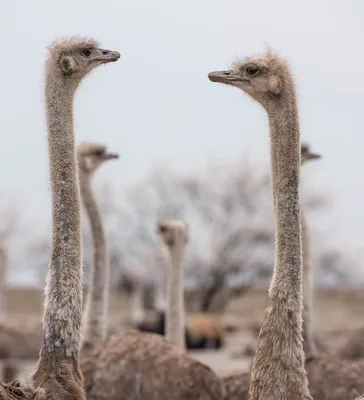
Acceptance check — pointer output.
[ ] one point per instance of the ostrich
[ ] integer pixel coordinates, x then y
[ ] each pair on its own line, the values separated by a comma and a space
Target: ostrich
137, 298
58, 365
329, 376
278, 370
174, 235
237, 385
90, 157
148, 366
310, 343
57, 374
309, 340
203, 331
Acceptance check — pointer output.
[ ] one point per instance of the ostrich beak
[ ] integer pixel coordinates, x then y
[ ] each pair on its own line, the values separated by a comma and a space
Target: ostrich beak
111, 156
225, 77
108, 55
314, 156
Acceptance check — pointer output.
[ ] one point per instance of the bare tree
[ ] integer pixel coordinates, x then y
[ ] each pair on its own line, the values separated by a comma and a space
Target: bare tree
229, 211
228, 208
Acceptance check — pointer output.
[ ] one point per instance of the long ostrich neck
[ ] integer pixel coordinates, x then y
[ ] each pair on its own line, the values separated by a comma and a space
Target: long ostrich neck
308, 290
96, 307
279, 362
63, 292
137, 303
285, 164
175, 300
3, 265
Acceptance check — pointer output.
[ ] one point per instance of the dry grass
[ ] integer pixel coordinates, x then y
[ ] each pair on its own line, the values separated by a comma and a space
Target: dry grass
337, 312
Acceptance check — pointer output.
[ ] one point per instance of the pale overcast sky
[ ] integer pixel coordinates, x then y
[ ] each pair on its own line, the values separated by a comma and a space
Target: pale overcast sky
156, 105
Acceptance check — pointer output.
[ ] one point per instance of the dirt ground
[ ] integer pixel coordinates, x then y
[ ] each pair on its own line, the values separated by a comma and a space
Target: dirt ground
337, 312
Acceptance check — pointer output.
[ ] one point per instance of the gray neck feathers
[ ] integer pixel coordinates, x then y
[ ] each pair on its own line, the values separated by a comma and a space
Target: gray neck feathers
63, 292
96, 307
308, 290
278, 369
175, 298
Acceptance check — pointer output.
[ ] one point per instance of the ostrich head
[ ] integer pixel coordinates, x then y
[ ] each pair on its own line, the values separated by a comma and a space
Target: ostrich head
307, 154
92, 155
74, 58
173, 233
265, 78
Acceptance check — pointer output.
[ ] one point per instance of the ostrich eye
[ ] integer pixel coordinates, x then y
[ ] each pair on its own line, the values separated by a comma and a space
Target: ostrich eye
251, 70
87, 51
